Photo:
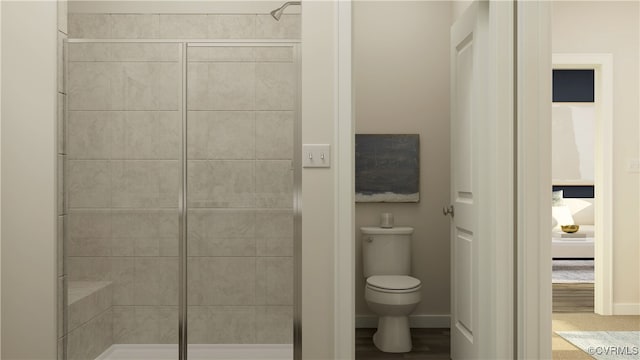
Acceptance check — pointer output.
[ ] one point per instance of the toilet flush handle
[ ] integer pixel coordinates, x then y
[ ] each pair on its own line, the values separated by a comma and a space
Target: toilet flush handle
369, 238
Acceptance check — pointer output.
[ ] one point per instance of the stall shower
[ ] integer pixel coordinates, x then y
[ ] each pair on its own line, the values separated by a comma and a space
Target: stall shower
181, 139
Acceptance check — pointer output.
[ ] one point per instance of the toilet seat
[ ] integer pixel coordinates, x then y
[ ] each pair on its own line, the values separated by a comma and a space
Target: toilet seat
396, 284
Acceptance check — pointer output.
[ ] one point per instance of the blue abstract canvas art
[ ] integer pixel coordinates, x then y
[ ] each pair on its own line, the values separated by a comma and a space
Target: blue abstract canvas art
387, 167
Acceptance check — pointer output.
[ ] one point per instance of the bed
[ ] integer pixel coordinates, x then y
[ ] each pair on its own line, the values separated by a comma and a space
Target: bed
579, 245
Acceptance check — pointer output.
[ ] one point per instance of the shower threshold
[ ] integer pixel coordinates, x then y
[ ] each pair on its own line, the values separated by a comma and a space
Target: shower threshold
198, 352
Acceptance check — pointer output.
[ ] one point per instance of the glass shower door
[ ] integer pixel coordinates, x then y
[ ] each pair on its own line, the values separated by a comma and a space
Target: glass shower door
123, 177
242, 108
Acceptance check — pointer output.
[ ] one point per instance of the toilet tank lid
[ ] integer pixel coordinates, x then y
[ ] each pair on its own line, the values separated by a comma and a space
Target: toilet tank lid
374, 230
393, 282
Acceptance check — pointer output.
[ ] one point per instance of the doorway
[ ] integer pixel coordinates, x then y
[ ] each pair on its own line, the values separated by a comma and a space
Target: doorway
582, 130
590, 197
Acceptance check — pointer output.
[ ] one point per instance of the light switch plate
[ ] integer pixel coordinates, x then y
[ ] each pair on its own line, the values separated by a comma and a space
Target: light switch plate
634, 166
316, 155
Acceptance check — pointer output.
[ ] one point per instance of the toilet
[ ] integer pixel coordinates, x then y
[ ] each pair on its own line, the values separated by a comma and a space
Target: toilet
390, 292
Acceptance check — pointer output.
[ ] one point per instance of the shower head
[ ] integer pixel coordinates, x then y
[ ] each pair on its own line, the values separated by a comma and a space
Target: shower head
277, 13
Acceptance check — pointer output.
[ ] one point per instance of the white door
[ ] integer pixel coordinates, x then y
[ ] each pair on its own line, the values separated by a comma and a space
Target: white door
469, 96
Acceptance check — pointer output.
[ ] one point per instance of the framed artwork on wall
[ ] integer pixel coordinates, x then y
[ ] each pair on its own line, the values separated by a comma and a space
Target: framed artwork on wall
387, 167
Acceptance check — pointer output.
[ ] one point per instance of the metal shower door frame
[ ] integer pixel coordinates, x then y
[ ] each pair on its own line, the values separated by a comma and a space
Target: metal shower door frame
297, 191
182, 194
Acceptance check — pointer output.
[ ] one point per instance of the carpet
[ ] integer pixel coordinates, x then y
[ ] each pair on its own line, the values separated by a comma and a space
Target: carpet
572, 271
606, 345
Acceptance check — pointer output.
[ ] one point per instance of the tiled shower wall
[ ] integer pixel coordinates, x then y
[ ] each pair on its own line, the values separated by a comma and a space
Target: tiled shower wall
123, 174
167, 26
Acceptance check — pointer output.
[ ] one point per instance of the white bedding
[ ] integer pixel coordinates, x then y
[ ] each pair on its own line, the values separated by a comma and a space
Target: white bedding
572, 246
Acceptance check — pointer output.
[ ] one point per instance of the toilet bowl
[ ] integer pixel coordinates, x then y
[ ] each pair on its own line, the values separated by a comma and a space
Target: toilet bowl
390, 292
392, 298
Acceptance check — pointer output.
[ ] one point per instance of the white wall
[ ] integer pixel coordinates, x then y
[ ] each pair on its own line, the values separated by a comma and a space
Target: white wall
614, 27
458, 7
401, 82
573, 143
28, 179
318, 185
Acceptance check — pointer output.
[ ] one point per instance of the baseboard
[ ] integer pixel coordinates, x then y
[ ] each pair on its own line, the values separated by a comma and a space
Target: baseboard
415, 321
626, 309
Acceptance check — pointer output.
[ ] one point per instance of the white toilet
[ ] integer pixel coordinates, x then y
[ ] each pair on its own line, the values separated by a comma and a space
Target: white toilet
390, 292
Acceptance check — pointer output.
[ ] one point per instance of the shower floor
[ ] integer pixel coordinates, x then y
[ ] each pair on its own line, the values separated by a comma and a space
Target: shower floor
198, 352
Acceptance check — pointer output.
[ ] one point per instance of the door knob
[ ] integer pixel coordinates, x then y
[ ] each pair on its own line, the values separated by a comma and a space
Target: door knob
448, 210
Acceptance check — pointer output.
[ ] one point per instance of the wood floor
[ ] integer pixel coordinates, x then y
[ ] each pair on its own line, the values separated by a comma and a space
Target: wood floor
573, 298
427, 344
573, 310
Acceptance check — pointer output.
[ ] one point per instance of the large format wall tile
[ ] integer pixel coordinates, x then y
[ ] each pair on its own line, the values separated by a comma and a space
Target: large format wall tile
231, 26
147, 135
119, 270
220, 54
221, 135
221, 280
220, 183
124, 52
274, 324
274, 233
145, 183
151, 86
95, 86
145, 324
89, 184
156, 281
124, 85
287, 28
145, 52
274, 184
92, 338
145, 233
221, 232
274, 54
89, 233
135, 26
221, 324
275, 86
274, 135
274, 280
90, 26
129, 135
221, 86
90, 134
124, 144
86, 300
183, 26
89, 51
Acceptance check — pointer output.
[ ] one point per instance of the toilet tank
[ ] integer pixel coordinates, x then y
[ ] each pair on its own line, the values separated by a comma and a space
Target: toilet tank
386, 251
